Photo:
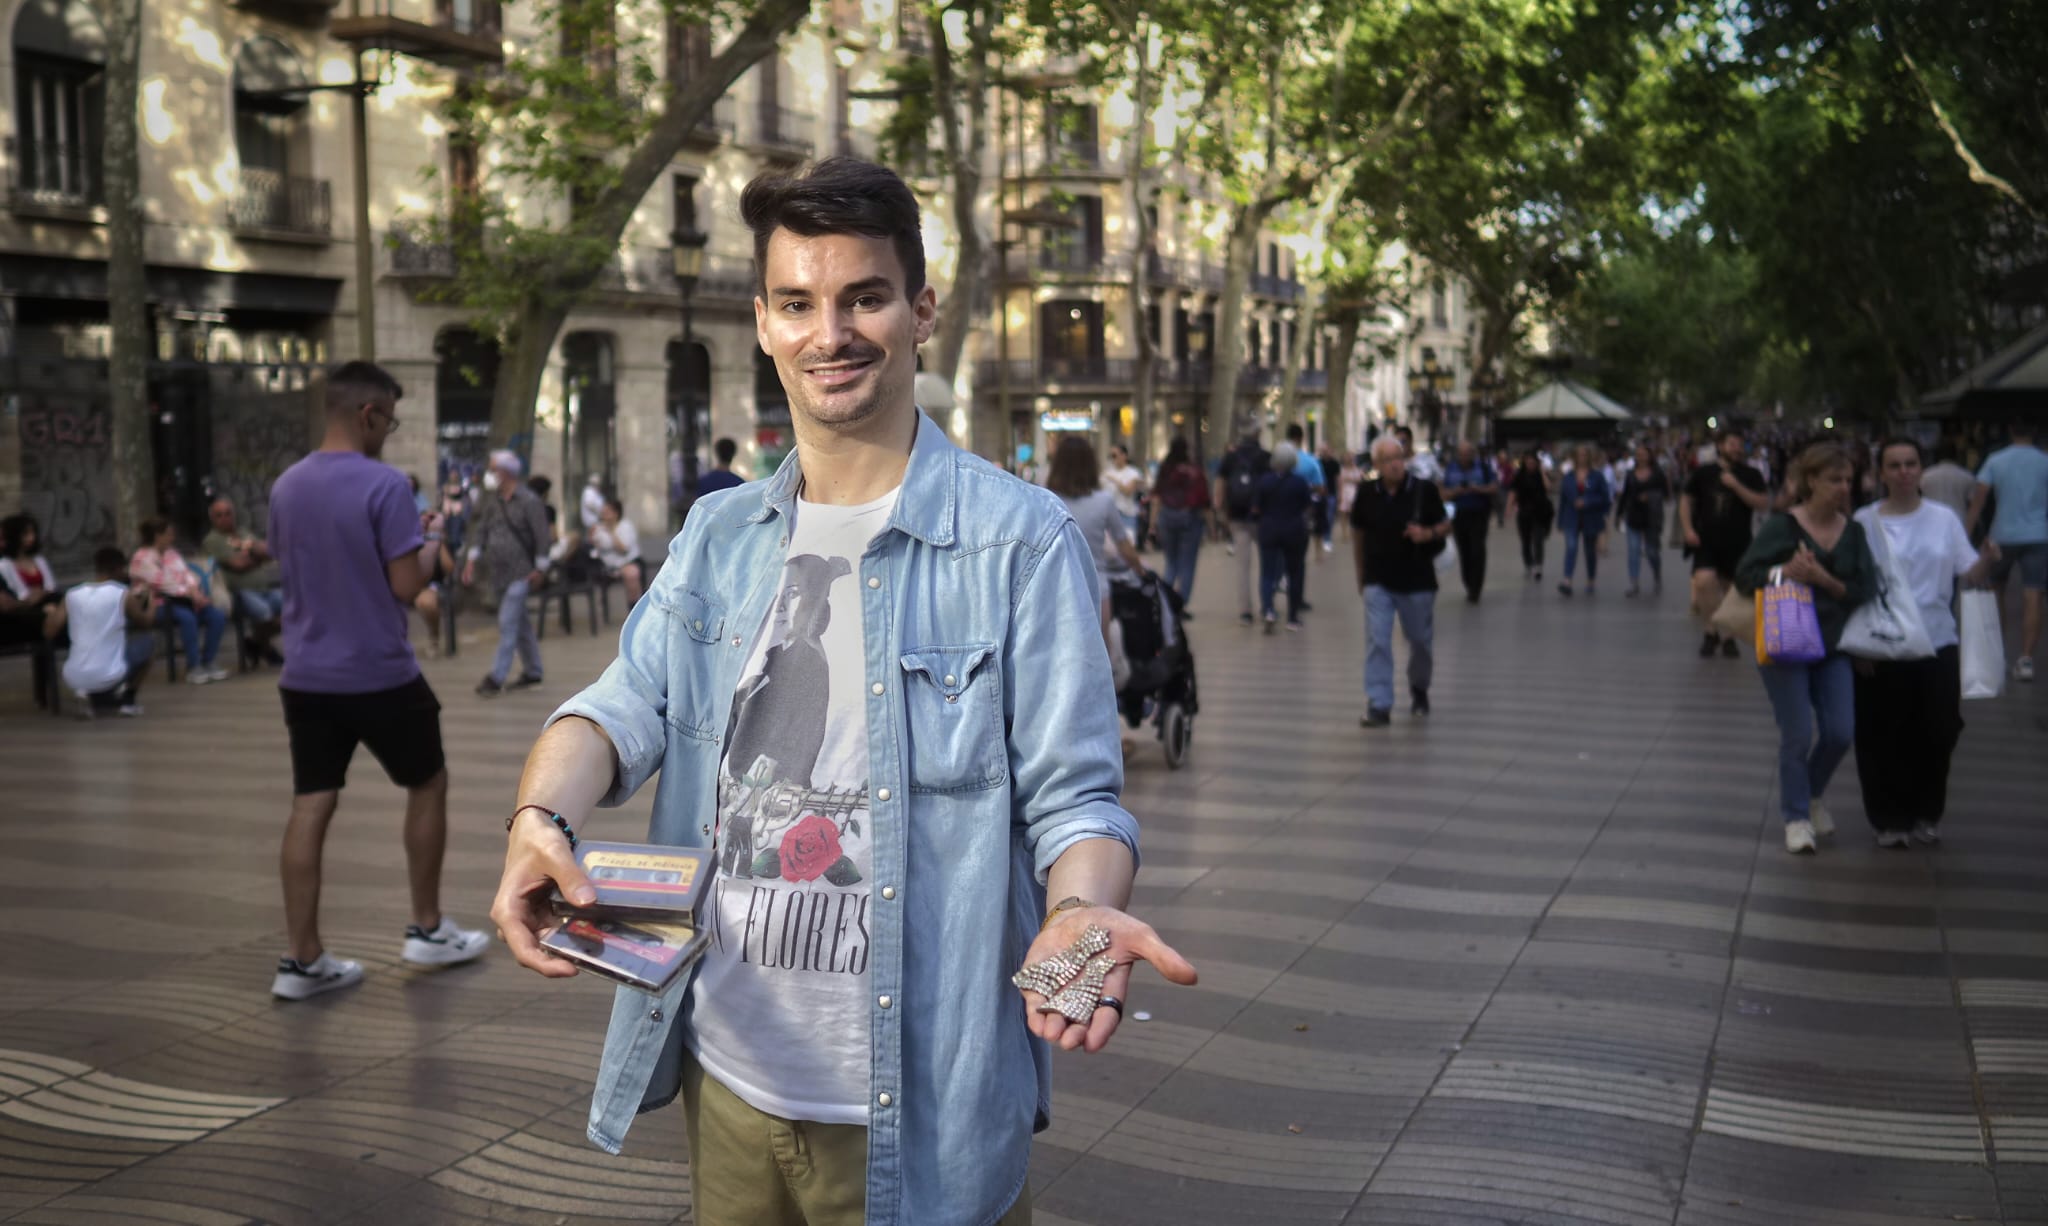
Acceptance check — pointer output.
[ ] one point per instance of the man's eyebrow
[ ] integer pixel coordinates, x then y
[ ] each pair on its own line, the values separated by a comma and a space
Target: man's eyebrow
866, 285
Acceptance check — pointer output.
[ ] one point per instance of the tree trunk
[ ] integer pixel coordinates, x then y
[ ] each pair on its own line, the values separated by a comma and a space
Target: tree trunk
966, 146
127, 292
1338, 399
603, 222
1137, 174
1297, 355
1228, 342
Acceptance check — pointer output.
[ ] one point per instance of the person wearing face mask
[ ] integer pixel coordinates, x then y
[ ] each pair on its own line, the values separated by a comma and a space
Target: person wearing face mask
508, 546
1818, 545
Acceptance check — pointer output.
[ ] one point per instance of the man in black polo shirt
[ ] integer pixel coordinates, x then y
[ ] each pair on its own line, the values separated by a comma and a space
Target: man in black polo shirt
1715, 511
1398, 527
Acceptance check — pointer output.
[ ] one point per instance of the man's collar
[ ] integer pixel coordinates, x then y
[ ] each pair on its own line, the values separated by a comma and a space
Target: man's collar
924, 508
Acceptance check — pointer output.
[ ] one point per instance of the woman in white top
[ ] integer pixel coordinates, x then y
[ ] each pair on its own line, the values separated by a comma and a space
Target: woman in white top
1909, 713
618, 547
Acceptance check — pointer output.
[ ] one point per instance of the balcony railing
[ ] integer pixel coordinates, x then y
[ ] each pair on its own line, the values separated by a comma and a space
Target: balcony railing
268, 202
1313, 381
1269, 285
1027, 374
415, 256
311, 13
52, 177
781, 130
462, 32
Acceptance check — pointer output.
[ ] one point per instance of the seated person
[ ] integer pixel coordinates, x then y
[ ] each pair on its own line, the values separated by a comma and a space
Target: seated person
618, 548
180, 602
252, 578
28, 587
428, 602
108, 620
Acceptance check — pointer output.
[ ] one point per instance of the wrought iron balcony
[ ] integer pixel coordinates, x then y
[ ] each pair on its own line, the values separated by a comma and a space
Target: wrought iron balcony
781, 131
270, 204
54, 179
1028, 374
412, 255
463, 33
1313, 381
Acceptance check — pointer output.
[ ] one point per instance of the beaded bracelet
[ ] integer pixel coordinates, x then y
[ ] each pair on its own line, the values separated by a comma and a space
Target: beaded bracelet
561, 823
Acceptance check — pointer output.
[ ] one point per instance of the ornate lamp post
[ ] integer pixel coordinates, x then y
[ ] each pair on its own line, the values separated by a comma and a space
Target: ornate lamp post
687, 250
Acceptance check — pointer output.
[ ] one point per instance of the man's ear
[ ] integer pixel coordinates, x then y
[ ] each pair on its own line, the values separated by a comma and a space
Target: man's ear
926, 308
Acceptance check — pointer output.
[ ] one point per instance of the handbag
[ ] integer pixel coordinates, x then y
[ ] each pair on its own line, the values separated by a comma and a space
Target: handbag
1447, 560
1888, 626
1735, 616
1982, 643
1787, 628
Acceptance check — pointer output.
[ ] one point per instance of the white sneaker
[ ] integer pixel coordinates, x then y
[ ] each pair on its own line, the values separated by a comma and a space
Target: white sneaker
217, 673
326, 973
199, 676
1799, 838
446, 945
1926, 832
1823, 821
131, 710
2023, 670
1894, 838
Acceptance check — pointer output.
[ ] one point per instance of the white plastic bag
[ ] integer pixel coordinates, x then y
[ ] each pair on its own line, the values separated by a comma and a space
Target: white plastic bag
1447, 561
1983, 644
1888, 626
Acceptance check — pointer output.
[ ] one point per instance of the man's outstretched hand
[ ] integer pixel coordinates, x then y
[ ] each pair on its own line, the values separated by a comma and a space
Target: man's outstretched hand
1130, 941
537, 859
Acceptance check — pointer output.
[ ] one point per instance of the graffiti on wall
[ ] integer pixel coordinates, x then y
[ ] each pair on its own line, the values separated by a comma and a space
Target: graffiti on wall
255, 438
67, 481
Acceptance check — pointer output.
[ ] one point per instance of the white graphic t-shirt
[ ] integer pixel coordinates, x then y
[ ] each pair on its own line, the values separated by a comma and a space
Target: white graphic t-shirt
779, 1010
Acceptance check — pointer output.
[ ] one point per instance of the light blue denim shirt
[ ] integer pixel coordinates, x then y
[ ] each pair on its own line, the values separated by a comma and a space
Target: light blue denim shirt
992, 749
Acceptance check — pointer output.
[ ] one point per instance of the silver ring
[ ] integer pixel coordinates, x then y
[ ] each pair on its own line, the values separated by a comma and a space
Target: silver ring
1111, 1002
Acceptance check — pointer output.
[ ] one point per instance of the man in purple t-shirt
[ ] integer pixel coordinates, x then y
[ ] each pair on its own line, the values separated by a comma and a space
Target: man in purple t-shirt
347, 538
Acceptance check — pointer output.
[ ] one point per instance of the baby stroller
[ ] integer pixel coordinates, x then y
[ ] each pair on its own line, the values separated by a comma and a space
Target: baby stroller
1156, 677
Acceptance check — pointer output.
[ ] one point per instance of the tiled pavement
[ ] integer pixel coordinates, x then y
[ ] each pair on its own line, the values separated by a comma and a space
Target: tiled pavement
1539, 960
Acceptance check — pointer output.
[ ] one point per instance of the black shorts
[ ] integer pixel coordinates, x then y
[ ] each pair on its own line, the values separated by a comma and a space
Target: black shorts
401, 726
1721, 557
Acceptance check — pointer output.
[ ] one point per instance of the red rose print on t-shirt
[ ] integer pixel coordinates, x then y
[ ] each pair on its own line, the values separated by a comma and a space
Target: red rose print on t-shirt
809, 848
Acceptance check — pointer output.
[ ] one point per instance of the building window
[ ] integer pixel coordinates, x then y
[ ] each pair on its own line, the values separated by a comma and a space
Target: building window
683, 190
479, 17
1070, 135
1078, 249
1071, 340
1439, 306
274, 144
590, 33
59, 105
689, 50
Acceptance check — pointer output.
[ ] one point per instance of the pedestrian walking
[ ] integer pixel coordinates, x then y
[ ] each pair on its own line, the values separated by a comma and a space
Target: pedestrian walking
1715, 513
1583, 497
871, 686
1817, 544
1644, 492
1398, 526
508, 546
1183, 496
1333, 475
352, 558
1237, 481
1909, 713
2018, 474
1529, 494
1283, 507
1125, 483
1076, 478
1948, 482
1472, 483
1503, 475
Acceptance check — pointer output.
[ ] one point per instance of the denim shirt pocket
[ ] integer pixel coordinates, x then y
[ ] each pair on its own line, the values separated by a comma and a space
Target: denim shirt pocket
696, 628
953, 704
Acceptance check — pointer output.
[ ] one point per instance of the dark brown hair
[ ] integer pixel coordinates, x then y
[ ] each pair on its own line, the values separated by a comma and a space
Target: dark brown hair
840, 195
1812, 462
1075, 473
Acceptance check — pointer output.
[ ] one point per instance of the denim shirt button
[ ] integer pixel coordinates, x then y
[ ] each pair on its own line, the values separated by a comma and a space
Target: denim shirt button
881, 793
888, 892
706, 828
951, 680
655, 1016
874, 582
876, 689
735, 640
884, 1001
883, 1099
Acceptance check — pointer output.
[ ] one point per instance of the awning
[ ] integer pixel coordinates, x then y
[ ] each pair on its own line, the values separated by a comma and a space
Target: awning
2016, 375
1565, 400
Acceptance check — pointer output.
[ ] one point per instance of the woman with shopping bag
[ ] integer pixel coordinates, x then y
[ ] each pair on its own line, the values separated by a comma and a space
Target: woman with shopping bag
1909, 711
1823, 571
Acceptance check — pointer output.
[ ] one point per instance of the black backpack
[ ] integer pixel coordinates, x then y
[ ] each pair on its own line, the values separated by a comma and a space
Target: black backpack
1244, 467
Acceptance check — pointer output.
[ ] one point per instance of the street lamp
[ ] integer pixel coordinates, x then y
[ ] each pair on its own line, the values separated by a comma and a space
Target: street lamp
688, 252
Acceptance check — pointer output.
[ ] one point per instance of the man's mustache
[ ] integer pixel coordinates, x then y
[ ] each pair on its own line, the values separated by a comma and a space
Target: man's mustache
852, 353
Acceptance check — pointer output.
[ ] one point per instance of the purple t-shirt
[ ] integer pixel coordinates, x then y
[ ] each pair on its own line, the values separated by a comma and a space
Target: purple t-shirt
336, 517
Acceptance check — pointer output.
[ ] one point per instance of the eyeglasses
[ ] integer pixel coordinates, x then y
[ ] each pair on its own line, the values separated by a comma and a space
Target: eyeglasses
390, 418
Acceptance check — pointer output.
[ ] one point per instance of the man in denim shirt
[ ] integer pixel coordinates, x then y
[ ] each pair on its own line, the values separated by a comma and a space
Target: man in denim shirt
875, 685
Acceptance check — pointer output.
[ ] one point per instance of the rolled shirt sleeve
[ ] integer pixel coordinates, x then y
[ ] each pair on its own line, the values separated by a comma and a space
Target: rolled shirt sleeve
1066, 764
629, 700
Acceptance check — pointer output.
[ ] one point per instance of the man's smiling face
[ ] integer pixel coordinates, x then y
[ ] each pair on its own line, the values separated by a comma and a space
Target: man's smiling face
842, 332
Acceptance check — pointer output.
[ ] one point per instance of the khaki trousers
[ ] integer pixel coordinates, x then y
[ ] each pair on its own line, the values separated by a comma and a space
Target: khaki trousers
749, 1168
